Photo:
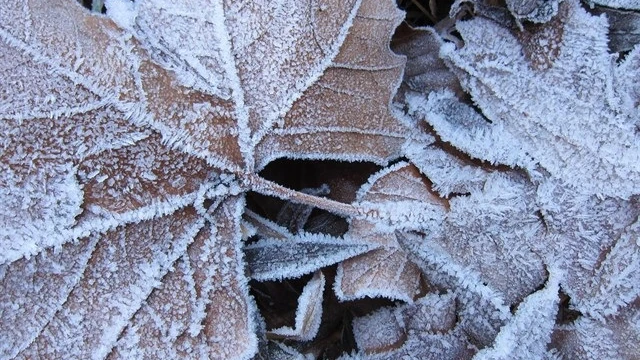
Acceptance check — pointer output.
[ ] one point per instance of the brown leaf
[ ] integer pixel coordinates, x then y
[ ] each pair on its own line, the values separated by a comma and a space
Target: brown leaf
386, 272
82, 295
426, 329
134, 136
308, 313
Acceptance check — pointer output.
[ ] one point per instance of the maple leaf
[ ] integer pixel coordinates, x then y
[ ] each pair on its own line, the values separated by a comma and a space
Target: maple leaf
129, 147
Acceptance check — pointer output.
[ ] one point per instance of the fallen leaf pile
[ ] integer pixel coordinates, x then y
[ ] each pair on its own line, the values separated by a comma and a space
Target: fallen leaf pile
474, 193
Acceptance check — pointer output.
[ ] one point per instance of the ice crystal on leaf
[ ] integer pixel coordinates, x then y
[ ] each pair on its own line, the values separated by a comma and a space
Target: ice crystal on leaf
129, 141
545, 169
387, 271
308, 314
583, 127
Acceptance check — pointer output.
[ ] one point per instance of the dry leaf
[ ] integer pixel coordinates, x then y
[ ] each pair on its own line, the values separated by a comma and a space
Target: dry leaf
426, 329
130, 146
528, 332
387, 272
308, 313
582, 129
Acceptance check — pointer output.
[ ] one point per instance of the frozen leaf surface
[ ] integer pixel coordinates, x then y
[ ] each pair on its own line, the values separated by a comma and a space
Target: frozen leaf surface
581, 130
301, 254
528, 332
615, 338
624, 28
425, 70
130, 140
426, 329
308, 313
620, 4
387, 272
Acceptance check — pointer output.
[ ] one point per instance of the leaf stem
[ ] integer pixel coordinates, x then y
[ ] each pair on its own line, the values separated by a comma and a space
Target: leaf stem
266, 187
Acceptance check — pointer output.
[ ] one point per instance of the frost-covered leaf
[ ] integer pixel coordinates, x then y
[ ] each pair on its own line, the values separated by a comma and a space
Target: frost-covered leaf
592, 241
617, 337
425, 70
537, 11
57, 108
448, 173
617, 279
581, 131
624, 28
81, 296
426, 329
620, 4
387, 272
202, 308
483, 310
379, 331
159, 113
266, 106
487, 232
274, 259
308, 313
528, 332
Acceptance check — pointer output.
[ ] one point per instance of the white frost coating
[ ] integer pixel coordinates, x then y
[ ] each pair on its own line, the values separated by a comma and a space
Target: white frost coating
308, 313
448, 173
122, 12
275, 259
289, 88
381, 329
433, 261
526, 335
29, 232
460, 125
571, 131
617, 280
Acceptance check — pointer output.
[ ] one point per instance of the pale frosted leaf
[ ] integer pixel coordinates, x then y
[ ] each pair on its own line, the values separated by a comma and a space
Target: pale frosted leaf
91, 297
448, 173
624, 28
387, 272
617, 279
626, 84
275, 259
489, 232
308, 313
459, 124
528, 332
425, 71
578, 130
425, 329
56, 109
202, 309
617, 337
483, 310
581, 232
537, 11
379, 331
